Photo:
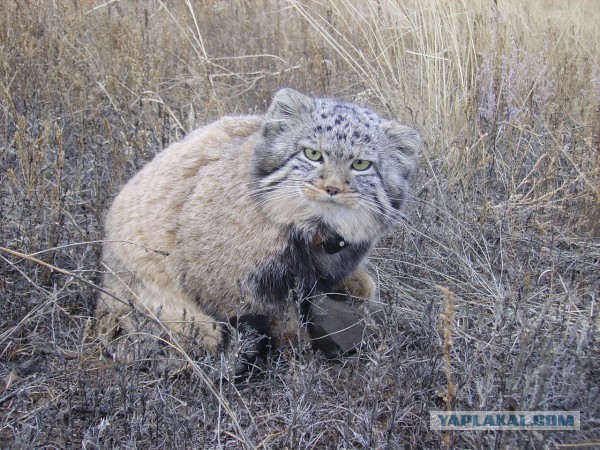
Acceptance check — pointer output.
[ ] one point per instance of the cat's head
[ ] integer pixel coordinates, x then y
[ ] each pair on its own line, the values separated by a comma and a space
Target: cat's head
323, 163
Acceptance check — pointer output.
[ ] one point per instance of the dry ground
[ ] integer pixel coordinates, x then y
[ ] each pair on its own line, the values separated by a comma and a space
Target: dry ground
504, 224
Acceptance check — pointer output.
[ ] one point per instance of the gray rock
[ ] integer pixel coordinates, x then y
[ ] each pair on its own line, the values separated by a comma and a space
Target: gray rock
340, 327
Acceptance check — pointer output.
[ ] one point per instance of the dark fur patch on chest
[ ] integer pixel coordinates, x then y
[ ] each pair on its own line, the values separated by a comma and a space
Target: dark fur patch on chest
306, 266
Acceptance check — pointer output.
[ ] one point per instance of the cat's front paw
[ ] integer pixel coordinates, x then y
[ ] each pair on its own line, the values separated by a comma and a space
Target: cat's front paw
246, 342
360, 285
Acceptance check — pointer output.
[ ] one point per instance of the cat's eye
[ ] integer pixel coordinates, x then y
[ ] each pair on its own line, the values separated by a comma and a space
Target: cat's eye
361, 164
312, 154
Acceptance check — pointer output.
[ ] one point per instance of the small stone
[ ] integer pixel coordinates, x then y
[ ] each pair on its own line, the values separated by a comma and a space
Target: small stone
340, 327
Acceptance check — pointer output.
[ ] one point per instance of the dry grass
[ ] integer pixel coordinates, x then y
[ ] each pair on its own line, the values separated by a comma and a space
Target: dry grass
505, 214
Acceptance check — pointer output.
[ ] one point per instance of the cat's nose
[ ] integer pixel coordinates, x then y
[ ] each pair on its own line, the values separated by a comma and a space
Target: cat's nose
332, 190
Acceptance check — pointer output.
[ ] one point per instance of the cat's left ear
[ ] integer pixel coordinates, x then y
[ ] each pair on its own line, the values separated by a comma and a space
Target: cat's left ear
403, 140
287, 106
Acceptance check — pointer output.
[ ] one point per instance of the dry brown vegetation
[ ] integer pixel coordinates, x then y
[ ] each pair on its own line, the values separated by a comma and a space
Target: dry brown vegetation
504, 219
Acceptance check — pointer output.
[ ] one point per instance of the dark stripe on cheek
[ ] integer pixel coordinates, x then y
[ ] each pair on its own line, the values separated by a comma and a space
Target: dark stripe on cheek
396, 198
272, 183
261, 170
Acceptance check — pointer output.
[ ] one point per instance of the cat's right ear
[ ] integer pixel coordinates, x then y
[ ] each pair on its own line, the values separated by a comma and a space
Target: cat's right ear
286, 108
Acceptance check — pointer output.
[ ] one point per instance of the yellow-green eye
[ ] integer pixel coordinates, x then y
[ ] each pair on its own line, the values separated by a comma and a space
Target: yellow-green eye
313, 155
361, 164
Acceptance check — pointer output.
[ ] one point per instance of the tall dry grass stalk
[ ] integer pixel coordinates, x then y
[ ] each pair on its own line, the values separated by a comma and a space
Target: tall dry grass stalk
505, 214
447, 317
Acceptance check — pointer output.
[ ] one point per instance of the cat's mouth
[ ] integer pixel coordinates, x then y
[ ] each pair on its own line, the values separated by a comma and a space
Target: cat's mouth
344, 199
349, 201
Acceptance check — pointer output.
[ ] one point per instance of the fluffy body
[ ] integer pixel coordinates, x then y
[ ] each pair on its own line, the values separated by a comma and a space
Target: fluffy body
237, 220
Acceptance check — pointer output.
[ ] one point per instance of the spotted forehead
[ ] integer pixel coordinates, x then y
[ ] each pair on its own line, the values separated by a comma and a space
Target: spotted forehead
349, 125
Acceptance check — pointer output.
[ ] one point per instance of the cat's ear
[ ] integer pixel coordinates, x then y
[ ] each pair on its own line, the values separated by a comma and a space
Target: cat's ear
400, 148
403, 140
287, 106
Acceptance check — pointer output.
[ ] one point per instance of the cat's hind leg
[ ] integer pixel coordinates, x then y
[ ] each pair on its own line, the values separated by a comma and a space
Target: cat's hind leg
142, 320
